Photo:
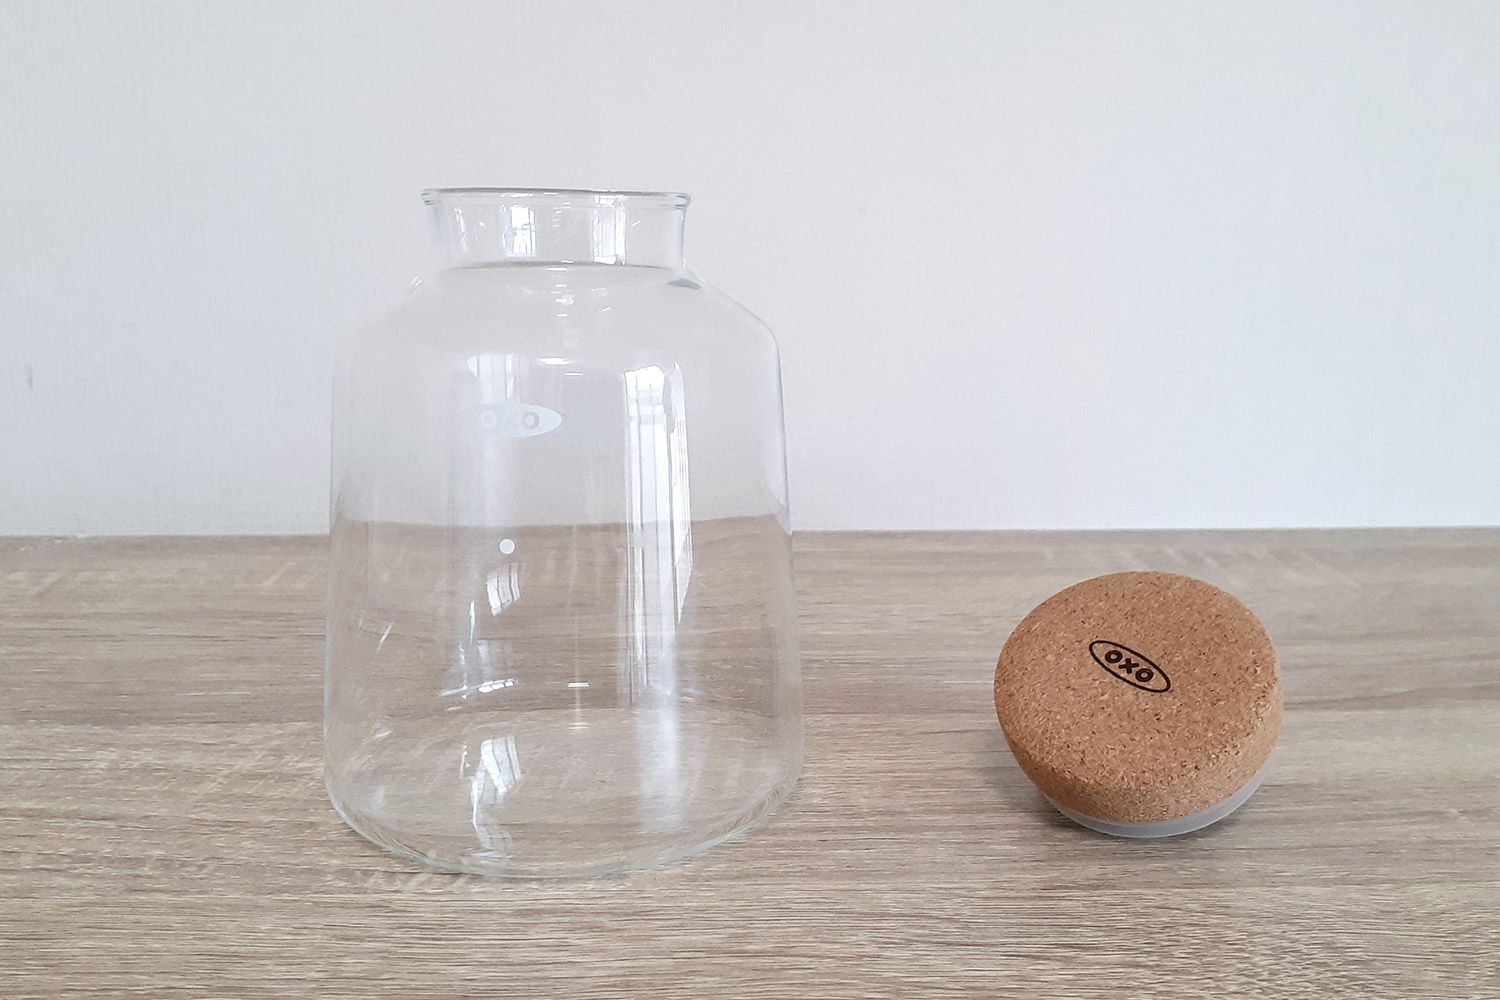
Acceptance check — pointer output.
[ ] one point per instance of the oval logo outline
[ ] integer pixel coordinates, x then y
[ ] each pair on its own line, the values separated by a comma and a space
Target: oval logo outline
512, 418
1134, 668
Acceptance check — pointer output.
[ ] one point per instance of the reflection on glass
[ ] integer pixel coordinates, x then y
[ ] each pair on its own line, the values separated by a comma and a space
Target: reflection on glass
503, 587
520, 231
498, 771
661, 566
659, 528
608, 232
478, 495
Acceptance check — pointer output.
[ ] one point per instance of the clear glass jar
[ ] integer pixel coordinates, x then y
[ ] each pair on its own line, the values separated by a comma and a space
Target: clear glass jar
562, 632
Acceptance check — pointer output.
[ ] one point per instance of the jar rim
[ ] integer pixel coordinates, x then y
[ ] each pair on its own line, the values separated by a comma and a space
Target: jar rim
644, 199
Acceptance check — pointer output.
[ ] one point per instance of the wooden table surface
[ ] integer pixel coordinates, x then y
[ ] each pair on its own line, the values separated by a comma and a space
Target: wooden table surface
163, 829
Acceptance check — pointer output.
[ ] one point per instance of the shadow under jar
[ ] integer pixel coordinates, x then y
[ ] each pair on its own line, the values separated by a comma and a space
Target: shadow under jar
562, 625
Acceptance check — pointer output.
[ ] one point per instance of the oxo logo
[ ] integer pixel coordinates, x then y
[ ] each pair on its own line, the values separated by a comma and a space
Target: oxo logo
1135, 669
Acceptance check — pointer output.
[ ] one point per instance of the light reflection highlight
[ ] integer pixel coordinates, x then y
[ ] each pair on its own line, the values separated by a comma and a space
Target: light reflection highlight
499, 772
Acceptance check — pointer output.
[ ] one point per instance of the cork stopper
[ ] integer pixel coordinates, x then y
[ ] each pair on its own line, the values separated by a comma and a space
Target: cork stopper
1146, 701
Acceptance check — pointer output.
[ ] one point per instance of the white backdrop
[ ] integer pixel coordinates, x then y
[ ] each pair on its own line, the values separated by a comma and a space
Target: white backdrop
1031, 265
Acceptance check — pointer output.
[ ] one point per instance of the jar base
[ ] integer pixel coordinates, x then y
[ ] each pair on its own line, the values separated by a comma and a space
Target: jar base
500, 798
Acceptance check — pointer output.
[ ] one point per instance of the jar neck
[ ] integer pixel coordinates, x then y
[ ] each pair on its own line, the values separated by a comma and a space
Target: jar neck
482, 226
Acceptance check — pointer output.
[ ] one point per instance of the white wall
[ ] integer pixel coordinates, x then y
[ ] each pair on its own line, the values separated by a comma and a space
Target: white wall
1031, 265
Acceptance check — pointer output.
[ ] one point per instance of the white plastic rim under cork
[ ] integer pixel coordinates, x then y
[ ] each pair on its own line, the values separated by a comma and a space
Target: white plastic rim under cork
1167, 827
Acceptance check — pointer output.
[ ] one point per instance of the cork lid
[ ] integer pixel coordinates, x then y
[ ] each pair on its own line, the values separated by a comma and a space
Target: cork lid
1139, 697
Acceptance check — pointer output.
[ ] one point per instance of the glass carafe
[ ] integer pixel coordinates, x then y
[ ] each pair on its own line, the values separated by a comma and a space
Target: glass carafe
562, 627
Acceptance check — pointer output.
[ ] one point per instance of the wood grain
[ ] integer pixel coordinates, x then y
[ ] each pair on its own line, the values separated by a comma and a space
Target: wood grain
163, 831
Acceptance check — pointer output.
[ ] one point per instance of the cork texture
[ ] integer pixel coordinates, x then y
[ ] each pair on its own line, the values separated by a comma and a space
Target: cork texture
1139, 697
